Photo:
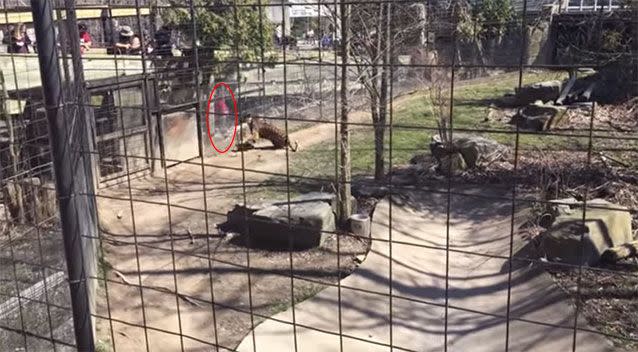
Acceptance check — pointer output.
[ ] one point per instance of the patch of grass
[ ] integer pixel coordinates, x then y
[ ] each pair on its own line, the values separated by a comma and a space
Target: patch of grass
414, 125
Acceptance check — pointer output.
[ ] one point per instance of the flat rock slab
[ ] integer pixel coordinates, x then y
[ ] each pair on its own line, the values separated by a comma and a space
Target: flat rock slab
304, 222
606, 225
360, 315
329, 198
543, 91
304, 225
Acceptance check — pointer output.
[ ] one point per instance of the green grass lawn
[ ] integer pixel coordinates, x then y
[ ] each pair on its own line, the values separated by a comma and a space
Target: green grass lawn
413, 126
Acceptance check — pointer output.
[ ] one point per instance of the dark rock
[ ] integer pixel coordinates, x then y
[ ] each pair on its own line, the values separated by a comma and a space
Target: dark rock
312, 217
606, 225
236, 219
474, 149
310, 223
539, 117
543, 91
420, 159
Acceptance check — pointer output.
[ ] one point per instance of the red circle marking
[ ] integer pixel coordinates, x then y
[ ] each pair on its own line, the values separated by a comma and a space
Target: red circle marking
210, 98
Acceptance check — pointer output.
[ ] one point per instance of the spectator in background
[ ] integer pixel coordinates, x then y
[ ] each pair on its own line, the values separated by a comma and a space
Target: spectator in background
23, 31
85, 38
223, 119
129, 43
111, 28
6, 41
29, 37
310, 36
278, 35
326, 41
163, 46
18, 42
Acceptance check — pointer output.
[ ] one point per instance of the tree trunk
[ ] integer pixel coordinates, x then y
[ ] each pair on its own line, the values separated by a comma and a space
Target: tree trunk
378, 112
345, 206
386, 60
379, 167
378, 136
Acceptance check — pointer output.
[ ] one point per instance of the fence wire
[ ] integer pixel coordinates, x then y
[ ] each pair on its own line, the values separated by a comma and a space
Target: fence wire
318, 175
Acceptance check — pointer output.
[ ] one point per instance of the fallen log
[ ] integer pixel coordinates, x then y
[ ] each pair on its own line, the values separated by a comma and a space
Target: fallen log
626, 250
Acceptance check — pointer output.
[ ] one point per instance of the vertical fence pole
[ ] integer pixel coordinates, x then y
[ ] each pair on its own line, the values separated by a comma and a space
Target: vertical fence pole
69, 169
634, 48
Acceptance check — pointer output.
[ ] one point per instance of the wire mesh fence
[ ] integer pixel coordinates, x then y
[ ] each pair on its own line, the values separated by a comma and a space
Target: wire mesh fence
318, 175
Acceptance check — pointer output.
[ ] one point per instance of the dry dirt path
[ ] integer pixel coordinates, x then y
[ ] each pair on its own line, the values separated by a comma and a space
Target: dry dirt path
159, 262
478, 289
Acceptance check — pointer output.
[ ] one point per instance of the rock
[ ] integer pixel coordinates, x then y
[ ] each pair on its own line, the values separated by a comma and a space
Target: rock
329, 198
624, 251
539, 117
236, 219
508, 101
312, 218
606, 225
420, 158
544, 91
474, 149
310, 223
452, 164
360, 258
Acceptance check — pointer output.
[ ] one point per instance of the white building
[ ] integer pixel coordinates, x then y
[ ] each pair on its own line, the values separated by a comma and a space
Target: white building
291, 10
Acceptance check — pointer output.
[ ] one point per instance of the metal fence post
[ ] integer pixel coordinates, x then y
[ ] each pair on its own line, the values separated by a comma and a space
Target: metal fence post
71, 174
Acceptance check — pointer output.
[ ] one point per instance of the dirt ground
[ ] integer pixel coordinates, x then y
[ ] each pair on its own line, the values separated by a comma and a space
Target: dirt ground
608, 299
608, 296
268, 293
145, 265
177, 248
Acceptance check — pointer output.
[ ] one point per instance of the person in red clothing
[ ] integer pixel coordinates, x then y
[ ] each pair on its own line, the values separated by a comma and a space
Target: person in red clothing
223, 118
85, 38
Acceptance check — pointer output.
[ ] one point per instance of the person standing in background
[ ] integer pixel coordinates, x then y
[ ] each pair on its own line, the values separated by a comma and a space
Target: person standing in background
85, 38
223, 118
17, 42
278, 35
29, 42
129, 43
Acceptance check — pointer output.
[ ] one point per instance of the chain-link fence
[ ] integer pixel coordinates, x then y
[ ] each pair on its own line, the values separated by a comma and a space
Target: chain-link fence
318, 175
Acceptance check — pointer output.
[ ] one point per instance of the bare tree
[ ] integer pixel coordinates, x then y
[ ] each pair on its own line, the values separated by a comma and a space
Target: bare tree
13, 188
381, 29
345, 171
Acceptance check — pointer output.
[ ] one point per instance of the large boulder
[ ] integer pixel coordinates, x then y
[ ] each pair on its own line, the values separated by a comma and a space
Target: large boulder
329, 198
539, 116
473, 150
606, 225
312, 218
310, 223
543, 91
